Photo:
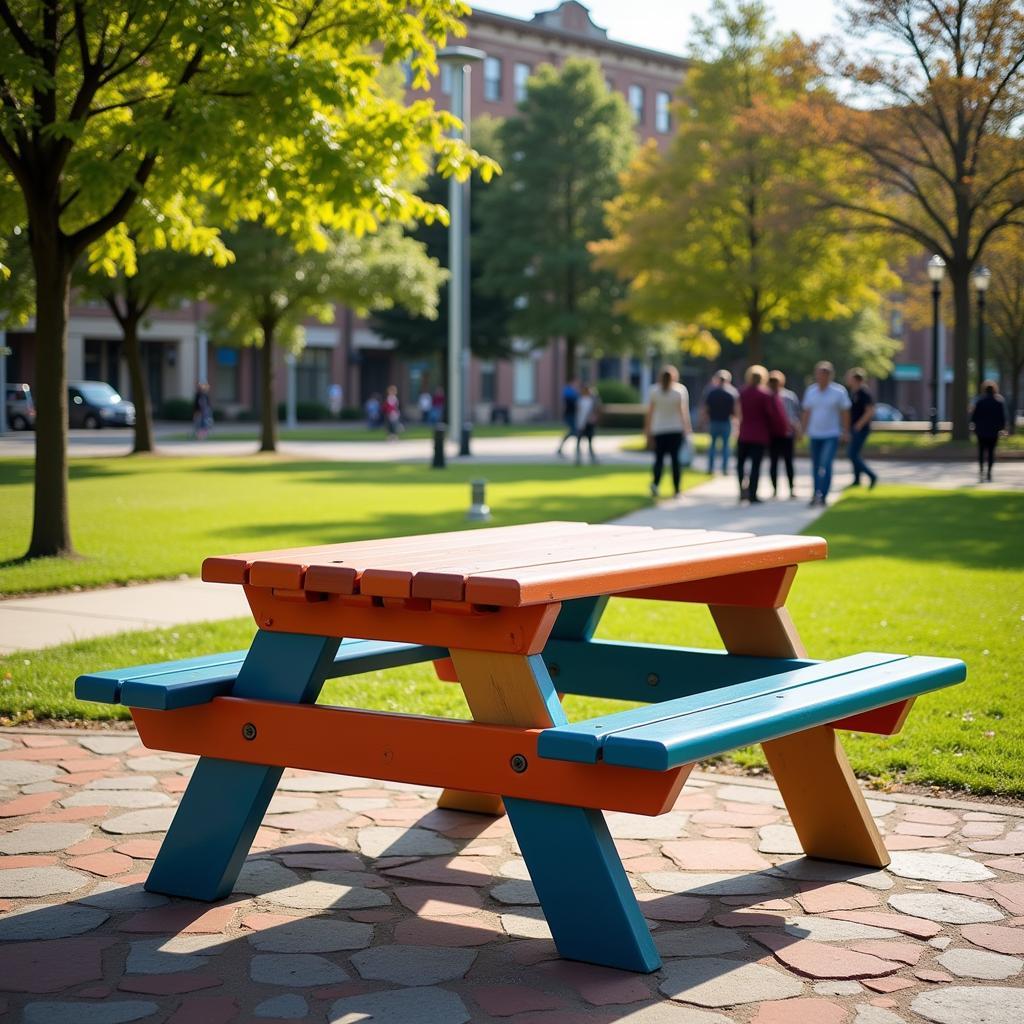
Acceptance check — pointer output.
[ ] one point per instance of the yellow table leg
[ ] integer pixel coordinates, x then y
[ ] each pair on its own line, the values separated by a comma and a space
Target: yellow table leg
825, 804
499, 690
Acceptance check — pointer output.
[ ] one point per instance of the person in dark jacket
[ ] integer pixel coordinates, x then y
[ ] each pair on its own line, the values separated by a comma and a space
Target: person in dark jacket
761, 417
988, 418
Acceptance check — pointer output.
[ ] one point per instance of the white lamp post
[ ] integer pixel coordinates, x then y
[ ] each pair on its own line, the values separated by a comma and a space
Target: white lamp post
981, 277
461, 60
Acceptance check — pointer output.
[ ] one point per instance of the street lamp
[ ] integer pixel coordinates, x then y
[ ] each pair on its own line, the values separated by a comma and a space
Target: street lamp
982, 277
461, 60
936, 272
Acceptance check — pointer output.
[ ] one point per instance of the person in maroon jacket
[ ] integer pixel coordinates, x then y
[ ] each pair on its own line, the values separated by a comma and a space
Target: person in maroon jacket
761, 417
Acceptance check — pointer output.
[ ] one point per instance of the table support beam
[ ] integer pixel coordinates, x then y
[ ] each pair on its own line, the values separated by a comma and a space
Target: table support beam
825, 804
225, 801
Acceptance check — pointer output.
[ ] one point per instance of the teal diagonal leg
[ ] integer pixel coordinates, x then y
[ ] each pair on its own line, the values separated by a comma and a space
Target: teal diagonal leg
582, 886
225, 801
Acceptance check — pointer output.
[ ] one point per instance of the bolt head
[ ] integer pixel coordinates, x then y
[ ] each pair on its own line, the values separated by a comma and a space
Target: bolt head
653, 679
249, 731
519, 763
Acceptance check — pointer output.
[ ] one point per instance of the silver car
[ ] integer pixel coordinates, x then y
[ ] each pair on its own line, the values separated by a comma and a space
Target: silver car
21, 410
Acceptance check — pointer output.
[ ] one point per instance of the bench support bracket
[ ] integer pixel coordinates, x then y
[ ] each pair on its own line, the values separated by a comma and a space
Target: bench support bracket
825, 804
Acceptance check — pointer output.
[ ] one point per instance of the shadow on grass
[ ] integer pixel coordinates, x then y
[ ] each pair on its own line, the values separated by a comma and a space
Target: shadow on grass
980, 530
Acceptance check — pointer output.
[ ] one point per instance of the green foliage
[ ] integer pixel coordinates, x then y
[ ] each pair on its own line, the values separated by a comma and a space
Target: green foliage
860, 340
563, 156
17, 281
177, 410
724, 229
277, 284
617, 392
305, 412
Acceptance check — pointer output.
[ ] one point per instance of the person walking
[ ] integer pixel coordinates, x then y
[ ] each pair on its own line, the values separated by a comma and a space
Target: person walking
588, 410
392, 413
666, 424
718, 411
988, 418
570, 397
761, 416
826, 421
202, 412
862, 412
782, 444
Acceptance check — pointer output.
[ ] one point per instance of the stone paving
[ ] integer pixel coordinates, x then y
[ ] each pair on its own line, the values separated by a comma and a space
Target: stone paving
362, 901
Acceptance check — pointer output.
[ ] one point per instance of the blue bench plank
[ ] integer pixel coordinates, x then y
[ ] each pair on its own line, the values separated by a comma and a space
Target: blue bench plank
678, 732
717, 730
178, 684
652, 672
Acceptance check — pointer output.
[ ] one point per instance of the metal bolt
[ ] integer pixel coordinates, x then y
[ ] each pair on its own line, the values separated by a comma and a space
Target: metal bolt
249, 731
519, 764
553, 670
653, 679
268, 622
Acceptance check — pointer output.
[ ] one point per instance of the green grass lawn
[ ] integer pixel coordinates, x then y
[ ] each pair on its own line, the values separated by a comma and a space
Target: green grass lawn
910, 571
330, 432
151, 517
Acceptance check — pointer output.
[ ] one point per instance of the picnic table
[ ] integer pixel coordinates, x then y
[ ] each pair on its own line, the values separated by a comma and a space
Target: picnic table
509, 614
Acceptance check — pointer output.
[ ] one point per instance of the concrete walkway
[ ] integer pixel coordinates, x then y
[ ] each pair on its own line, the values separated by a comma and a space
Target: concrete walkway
32, 623
361, 900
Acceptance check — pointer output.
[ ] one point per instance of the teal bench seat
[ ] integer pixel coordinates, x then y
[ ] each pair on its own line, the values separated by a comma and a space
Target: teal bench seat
181, 684
677, 732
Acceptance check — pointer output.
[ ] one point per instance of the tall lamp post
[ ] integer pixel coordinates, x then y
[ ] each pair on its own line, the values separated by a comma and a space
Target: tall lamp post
461, 60
981, 277
936, 272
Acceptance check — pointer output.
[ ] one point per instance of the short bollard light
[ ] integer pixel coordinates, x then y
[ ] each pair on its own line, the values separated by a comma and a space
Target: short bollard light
479, 510
440, 429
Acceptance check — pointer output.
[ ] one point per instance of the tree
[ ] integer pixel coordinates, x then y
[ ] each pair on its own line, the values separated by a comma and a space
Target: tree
860, 340
419, 337
564, 154
722, 229
937, 123
161, 276
273, 285
1006, 314
272, 107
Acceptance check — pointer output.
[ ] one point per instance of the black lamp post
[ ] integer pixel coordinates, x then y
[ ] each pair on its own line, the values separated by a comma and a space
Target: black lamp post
981, 277
936, 272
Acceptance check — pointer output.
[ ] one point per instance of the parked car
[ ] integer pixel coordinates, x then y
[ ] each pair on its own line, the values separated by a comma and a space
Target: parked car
886, 413
21, 410
94, 404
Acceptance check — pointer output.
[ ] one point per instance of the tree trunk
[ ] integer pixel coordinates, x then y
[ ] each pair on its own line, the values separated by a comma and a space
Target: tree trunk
570, 357
268, 410
960, 276
51, 526
140, 389
755, 346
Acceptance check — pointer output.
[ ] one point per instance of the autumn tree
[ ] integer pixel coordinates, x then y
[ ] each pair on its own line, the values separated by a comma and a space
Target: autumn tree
273, 285
273, 107
1005, 318
564, 153
934, 97
723, 229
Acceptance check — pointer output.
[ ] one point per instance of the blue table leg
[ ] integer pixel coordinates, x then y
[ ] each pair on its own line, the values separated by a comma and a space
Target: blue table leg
225, 801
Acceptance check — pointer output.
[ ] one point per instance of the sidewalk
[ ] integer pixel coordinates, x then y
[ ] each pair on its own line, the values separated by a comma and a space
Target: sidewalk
31, 623
362, 900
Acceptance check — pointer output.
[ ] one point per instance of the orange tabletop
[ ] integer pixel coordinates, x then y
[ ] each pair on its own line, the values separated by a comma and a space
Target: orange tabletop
513, 566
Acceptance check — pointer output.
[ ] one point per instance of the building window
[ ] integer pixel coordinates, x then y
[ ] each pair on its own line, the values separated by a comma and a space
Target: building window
225, 375
609, 85
896, 323
636, 102
524, 381
313, 375
662, 113
446, 78
519, 78
492, 78
488, 375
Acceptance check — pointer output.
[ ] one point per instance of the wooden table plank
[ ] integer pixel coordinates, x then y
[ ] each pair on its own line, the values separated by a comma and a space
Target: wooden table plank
562, 581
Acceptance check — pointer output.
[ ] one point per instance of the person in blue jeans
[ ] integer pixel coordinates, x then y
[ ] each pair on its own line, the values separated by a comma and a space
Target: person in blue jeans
862, 412
718, 413
826, 421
